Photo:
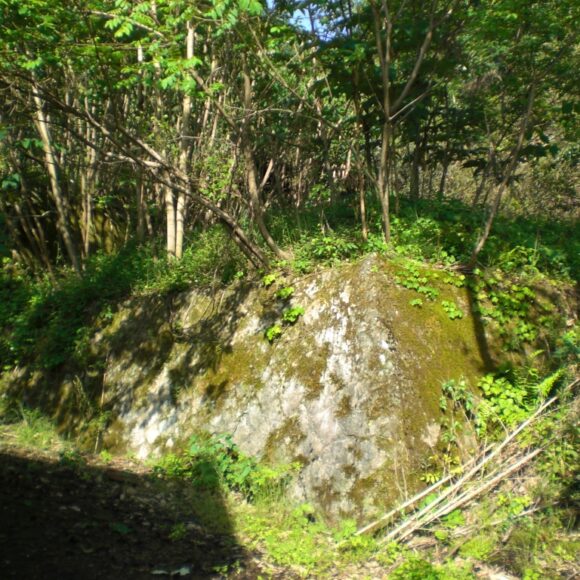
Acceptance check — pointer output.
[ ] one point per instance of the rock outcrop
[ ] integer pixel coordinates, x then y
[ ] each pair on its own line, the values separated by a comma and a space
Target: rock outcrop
350, 391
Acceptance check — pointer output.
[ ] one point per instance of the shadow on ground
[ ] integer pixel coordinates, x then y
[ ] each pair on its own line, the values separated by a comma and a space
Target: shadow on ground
66, 519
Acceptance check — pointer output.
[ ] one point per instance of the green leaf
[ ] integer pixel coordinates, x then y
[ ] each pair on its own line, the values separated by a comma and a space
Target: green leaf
168, 82
32, 64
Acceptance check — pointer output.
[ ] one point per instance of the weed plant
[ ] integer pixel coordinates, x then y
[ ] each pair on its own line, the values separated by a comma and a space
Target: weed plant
30, 428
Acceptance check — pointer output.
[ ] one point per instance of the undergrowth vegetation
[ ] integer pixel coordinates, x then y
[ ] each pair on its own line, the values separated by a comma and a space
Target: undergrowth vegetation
522, 527
216, 463
48, 323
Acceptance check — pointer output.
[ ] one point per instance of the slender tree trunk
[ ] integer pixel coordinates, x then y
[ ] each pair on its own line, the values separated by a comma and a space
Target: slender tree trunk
385, 62
251, 172
383, 182
88, 183
486, 171
443, 181
57, 194
416, 168
140, 183
505, 181
362, 206
140, 203
170, 220
184, 153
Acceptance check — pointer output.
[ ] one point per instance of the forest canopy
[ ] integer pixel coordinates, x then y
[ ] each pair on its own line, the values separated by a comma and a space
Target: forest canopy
134, 121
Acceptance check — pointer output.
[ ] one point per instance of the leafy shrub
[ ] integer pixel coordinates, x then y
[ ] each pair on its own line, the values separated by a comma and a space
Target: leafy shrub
268, 280
212, 462
50, 322
416, 569
356, 546
291, 315
459, 393
328, 248
285, 293
453, 311
508, 401
273, 332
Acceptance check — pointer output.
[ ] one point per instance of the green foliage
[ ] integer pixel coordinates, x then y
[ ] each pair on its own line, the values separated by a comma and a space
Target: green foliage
504, 404
268, 280
568, 347
291, 315
120, 528
285, 293
457, 280
273, 332
509, 305
332, 248
30, 428
49, 322
509, 400
292, 536
480, 547
312, 247
455, 519
72, 459
458, 393
105, 456
414, 278
357, 547
417, 302
445, 233
453, 311
416, 569
178, 532
215, 462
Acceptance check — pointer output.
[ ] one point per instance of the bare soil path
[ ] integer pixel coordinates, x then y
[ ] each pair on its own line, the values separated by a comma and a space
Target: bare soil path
73, 518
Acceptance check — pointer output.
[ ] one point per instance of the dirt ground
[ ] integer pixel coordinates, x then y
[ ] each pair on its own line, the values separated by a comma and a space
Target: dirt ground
65, 518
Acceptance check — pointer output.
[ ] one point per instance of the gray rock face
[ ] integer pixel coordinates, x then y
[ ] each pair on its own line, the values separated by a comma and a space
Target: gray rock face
350, 391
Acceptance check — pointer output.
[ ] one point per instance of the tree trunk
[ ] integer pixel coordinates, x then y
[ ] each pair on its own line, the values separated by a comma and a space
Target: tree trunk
383, 182
183, 153
63, 223
140, 202
504, 183
443, 181
170, 220
416, 168
251, 172
362, 206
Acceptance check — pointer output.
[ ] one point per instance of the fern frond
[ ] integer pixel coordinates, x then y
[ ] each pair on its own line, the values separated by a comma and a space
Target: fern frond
544, 388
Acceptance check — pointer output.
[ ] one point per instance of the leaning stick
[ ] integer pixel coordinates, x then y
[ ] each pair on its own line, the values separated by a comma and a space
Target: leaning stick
382, 521
460, 501
478, 467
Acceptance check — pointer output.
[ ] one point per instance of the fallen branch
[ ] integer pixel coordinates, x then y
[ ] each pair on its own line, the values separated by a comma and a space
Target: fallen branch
383, 520
461, 481
426, 514
414, 523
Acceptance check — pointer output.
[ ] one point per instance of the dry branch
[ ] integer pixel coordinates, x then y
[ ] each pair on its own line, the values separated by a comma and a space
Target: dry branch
455, 494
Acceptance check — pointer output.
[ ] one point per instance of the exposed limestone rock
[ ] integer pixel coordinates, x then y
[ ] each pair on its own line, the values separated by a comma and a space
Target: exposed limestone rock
350, 391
